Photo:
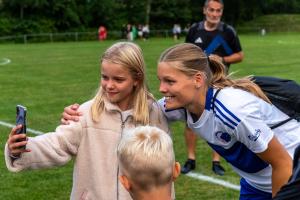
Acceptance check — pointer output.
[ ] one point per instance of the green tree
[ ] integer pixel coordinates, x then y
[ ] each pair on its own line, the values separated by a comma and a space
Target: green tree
20, 6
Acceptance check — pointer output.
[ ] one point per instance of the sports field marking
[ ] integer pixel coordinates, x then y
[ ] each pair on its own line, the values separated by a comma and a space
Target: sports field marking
213, 180
190, 174
29, 130
4, 61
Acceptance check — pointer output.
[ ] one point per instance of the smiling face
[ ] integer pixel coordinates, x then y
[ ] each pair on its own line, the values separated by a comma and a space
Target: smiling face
179, 89
117, 84
213, 12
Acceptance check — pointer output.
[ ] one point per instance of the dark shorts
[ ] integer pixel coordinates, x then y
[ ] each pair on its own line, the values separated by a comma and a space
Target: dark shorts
248, 192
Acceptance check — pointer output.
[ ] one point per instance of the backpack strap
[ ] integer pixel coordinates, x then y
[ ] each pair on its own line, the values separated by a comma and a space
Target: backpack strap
281, 123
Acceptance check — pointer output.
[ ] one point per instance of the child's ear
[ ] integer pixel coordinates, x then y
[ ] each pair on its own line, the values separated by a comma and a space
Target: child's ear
125, 182
176, 170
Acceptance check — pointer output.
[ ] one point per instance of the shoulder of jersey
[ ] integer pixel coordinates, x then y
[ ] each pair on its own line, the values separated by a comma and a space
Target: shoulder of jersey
230, 28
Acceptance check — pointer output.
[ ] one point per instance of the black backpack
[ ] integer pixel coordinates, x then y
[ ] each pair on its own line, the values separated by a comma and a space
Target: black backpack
291, 190
283, 93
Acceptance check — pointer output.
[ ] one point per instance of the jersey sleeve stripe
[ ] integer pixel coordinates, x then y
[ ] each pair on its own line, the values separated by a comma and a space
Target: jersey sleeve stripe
224, 116
224, 122
227, 111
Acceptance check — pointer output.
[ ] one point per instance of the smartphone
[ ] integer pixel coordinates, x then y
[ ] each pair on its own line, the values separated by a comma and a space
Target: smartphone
21, 119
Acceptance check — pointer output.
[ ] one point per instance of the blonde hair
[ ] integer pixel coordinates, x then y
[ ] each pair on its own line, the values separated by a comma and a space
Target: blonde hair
190, 59
129, 56
146, 157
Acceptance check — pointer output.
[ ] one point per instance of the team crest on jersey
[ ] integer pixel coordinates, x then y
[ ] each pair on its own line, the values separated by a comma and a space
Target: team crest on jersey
223, 136
198, 40
255, 136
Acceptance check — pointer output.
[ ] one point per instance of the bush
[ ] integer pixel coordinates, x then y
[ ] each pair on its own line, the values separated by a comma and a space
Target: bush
6, 26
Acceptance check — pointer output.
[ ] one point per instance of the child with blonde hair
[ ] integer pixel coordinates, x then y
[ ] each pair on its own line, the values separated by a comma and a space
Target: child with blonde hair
122, 102
147, 163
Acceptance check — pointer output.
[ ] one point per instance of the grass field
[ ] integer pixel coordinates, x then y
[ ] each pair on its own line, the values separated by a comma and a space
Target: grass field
47, 77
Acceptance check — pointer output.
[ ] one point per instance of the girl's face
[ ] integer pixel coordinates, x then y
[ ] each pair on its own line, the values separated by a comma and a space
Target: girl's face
179, 89
117, 84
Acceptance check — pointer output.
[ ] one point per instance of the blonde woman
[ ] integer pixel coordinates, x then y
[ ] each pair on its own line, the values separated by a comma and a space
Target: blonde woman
235, 123
121, 102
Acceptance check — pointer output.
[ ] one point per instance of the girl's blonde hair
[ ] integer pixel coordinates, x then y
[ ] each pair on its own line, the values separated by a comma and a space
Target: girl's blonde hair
190, 59
129, 56
146, 157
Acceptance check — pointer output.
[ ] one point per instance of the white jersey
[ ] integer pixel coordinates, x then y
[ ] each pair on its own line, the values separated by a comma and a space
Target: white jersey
237, 126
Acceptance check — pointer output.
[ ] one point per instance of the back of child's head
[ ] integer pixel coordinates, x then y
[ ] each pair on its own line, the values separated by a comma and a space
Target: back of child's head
146, 157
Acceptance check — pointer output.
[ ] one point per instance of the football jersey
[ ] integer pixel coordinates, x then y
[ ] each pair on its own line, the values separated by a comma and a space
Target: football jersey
224, 38
237, 126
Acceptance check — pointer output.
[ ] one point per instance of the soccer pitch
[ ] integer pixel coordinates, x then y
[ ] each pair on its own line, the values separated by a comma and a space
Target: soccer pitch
49, 76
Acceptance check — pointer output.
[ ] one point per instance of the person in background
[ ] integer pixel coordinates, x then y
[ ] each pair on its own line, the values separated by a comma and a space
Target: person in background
102, 33
140, 31
122, 102
134, 32
176, 32
215, 38
147, 163
146, 32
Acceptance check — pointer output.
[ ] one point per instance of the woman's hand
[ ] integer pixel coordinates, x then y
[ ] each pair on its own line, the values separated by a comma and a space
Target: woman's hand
70, 114
16, 141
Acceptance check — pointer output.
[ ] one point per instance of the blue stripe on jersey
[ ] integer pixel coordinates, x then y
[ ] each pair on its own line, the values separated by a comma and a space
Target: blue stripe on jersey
209, 97
225, 122
241, 157
224, 116
230, 113
215, 43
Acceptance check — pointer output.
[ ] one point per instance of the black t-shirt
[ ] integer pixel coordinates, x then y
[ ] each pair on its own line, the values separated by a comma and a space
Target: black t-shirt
223, 34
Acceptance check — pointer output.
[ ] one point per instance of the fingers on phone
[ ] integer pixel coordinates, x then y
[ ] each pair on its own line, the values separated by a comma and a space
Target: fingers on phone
16, 147
14, 129
15, 138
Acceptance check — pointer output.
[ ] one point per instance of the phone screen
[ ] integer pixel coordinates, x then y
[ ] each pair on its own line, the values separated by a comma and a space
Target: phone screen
21, 119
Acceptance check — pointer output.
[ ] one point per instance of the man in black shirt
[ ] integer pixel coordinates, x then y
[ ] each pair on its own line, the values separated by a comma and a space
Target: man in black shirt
219, 39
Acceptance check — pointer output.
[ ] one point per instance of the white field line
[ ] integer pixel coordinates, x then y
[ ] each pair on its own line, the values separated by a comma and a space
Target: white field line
29, 130
190, 174
213, 180
4, 61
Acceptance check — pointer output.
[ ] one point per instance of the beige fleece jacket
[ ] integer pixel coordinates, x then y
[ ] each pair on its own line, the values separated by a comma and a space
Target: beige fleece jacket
92, 145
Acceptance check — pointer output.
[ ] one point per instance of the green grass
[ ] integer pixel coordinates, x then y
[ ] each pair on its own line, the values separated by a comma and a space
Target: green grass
47, 77
275, 22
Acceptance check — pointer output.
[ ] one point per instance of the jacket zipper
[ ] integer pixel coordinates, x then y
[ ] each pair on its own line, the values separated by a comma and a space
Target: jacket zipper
122, 128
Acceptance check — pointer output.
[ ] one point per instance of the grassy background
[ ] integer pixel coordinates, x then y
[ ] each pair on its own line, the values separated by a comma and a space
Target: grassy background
47, 77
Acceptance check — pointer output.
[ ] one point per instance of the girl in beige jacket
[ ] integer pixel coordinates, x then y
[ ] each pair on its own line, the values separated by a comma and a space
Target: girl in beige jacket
123, 101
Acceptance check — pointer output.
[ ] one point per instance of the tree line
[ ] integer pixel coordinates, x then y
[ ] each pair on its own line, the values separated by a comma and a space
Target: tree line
36, 16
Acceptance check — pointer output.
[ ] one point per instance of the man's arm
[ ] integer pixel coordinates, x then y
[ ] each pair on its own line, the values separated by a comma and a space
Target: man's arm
233, 58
